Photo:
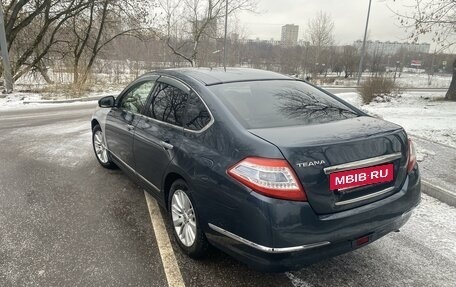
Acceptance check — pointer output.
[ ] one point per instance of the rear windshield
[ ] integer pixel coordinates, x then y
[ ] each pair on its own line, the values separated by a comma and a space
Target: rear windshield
281, 103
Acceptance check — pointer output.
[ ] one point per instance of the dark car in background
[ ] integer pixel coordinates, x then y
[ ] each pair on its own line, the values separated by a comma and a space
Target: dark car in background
270, 169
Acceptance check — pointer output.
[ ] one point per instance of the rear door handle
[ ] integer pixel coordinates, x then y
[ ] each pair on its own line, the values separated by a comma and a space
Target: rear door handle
166, 145
130, 127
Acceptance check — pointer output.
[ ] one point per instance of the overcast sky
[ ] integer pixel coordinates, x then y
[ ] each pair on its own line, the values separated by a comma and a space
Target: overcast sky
349, 18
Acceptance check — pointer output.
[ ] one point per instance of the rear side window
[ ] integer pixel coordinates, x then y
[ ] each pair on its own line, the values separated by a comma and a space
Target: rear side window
168, 104
197, 116
281, 103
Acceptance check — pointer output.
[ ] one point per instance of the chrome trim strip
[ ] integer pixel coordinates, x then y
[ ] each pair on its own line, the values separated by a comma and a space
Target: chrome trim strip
148, 182
363, 163
161, 122
365, 197
174, 82
209, 124
264, 248
135, 172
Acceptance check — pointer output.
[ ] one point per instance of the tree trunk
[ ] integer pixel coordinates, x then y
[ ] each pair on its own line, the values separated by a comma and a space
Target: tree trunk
44, 73
76, 72
451, 93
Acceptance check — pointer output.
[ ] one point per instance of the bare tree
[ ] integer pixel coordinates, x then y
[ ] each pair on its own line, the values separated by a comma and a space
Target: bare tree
100, 24
320, 34
32, 28
376, 62
188, 23
307, 106
290, 59
438, 18
350, 57
40, 30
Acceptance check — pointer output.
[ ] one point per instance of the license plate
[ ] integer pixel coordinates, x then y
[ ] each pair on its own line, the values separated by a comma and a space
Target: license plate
362, 176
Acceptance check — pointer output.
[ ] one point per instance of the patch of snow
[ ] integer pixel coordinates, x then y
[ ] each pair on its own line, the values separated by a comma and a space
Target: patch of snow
68, 144
18, 101
424, 114
432, 224
406, 80
352, 98
296, 281
413, 80
422, 153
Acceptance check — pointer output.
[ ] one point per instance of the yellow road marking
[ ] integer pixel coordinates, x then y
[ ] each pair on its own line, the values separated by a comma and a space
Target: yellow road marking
172, 271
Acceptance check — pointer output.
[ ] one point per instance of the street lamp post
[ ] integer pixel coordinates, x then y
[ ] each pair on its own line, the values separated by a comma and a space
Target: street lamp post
226, 30
363, 52
5, 56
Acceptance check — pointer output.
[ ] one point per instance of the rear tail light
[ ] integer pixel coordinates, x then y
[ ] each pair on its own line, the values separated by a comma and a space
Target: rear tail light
411, 156
270, 177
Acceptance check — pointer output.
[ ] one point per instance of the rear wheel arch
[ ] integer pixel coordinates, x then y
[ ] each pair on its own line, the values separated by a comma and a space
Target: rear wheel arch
99, 147
169, 180
94, 122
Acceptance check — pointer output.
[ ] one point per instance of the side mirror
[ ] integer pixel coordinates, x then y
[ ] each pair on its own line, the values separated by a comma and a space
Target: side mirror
107, 102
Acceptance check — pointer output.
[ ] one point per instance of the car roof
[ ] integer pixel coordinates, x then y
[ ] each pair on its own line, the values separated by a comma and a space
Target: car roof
214, 76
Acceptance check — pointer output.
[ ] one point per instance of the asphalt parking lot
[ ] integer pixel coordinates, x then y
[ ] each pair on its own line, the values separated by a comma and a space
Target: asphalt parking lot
66, 221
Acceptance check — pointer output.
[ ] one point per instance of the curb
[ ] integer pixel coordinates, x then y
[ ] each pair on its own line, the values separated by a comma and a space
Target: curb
86, 99
433, 142
439, 193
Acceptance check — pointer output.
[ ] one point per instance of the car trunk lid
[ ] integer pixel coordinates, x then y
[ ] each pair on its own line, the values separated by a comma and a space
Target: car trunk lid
317, 151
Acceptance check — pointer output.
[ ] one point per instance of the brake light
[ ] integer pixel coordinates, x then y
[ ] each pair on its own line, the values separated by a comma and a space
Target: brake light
411, 156
270, 177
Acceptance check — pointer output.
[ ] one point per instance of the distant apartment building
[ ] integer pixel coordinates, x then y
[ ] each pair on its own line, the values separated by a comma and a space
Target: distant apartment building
289, 36
391, 48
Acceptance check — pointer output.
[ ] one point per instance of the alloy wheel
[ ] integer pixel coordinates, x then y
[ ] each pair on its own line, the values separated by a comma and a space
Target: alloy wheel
100, 147
184, 219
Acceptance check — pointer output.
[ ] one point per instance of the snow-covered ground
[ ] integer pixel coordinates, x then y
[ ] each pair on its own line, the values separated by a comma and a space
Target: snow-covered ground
16, 100
406, 80
423, 114
412, 80
25, 100
73, 140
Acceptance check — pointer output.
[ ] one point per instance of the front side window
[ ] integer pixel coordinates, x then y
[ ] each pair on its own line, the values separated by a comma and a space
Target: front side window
280, 103
135, 99
197, 116
168, 104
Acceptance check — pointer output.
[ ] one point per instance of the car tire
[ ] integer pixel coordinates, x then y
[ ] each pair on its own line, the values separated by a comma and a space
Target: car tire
99, 147
184, 221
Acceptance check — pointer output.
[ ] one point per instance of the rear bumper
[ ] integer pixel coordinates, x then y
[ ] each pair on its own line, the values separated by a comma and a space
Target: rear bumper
300, 237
